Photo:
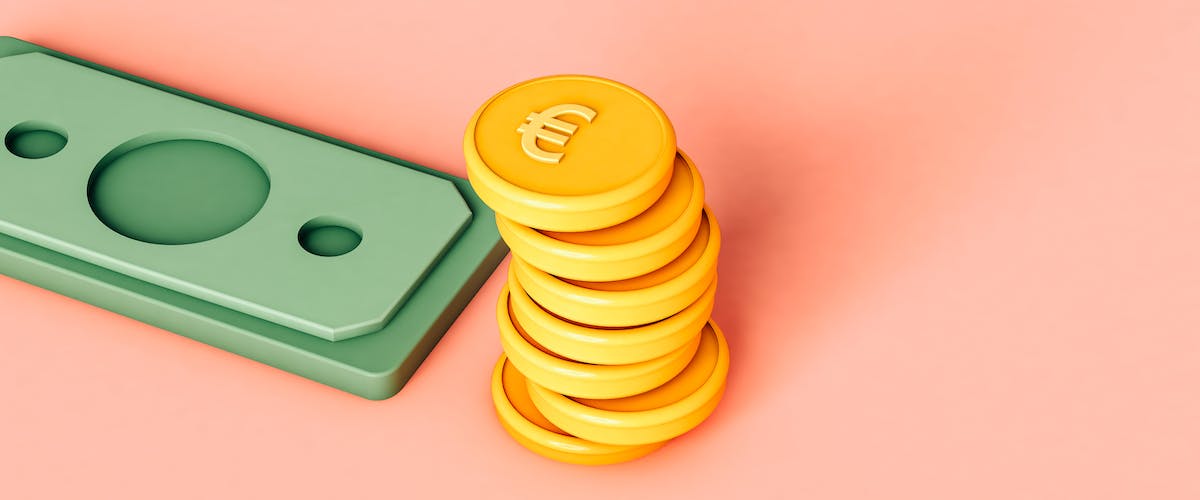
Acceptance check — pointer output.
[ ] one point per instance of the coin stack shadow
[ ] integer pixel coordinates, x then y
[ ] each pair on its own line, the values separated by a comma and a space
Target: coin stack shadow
609, 349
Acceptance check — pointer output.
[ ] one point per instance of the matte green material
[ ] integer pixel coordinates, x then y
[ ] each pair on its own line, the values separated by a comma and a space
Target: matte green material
34, 140
178, 192
329, 237
54, 240
181, 163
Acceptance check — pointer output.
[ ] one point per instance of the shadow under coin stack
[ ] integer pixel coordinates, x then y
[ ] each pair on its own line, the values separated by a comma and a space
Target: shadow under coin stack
609, 351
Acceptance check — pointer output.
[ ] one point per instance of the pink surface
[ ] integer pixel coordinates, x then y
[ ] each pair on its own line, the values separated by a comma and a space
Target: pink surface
961, 256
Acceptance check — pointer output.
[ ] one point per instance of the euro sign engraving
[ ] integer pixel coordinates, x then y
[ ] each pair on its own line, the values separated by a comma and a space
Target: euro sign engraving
547, 127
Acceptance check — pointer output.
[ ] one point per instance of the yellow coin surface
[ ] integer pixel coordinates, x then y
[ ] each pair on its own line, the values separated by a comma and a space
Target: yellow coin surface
669, 411
612, 135
632, 248
702, 250
530, 429
685, 191
694, 376
606, 346
583, 379
518, 395
569, 153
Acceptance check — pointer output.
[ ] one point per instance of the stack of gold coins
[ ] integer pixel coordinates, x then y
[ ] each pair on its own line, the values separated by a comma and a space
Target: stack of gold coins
609, 350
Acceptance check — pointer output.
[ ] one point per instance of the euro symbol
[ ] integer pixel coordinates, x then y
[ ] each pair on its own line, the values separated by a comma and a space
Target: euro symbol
547, 127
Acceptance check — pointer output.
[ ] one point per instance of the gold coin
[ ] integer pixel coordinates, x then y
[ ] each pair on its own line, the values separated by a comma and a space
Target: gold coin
582, 379
669, 411
608, 346
522, 421
632, 248
635, 301
569, 153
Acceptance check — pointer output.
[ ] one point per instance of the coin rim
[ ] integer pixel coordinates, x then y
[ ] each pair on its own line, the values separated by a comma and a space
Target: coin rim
623, 308
575, 212
581, 379
550, 444
602, 346
609, 262
631, 427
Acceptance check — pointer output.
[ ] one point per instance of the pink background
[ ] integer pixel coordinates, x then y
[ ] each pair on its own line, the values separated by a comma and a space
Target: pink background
961, 255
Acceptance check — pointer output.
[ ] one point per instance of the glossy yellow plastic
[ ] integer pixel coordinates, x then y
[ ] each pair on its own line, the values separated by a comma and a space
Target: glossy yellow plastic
608, 346
569, 153
664, 413
527, 426
581, 379
701, 253
635, 301
632, 248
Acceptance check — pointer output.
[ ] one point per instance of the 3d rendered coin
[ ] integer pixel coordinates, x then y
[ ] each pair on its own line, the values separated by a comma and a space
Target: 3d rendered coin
661, 414
635, 301
582, 379
608, 346
521, 419
569, 153
632, 248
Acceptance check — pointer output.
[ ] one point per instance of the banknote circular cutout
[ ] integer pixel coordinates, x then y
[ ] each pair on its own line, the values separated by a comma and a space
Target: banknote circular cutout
176, 191
35, 140
329, 236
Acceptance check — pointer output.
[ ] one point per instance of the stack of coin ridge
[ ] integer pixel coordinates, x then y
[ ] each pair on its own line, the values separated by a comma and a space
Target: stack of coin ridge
609, 349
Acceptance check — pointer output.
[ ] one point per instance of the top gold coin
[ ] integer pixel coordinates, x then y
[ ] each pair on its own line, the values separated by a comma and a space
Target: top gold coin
569, 153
